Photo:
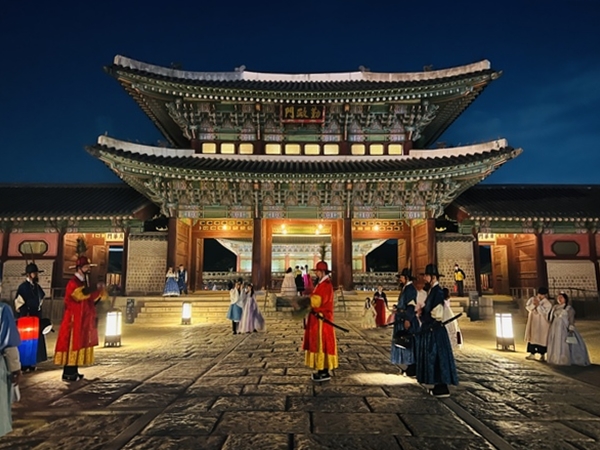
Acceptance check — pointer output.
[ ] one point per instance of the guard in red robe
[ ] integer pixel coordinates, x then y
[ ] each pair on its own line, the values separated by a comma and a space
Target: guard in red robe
78, 334
320, 347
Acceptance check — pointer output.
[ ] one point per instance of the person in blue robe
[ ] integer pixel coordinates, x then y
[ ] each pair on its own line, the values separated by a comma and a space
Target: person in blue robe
28, 302
406, 320
10, 367
433, 352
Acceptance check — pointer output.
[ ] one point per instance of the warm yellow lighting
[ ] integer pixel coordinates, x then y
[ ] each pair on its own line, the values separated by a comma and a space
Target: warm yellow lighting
112, 337
505, 337
376, 227
320, 226
186, 313
225, 227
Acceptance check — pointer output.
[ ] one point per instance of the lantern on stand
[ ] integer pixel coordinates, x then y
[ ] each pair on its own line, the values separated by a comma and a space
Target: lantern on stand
112, 337
186, 313
29, 331
505, 337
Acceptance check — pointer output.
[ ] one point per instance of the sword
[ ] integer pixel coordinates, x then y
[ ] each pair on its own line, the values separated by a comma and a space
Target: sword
329, 322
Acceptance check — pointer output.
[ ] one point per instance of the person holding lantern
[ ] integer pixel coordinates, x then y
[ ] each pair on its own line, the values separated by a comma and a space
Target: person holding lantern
28, 303
78, 333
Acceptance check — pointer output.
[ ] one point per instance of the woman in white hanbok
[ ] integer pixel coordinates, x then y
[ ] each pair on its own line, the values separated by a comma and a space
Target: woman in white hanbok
288, 287
561, 351
252, 320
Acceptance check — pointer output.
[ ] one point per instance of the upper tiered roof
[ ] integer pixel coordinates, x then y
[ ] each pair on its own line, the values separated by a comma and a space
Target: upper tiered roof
186, 104
123, 156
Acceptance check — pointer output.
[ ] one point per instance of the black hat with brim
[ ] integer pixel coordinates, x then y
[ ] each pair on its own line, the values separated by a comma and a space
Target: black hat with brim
32, 268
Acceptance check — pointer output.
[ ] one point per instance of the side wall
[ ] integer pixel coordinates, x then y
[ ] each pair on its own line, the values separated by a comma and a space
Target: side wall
146, 263
450, 252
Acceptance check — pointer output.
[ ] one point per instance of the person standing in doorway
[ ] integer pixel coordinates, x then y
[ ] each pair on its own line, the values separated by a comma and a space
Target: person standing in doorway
182, 279
538, 325
78, 333
459, 280
28, 302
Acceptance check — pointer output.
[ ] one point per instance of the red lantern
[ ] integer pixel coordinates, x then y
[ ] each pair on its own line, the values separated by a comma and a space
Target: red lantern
29, 330
29, 327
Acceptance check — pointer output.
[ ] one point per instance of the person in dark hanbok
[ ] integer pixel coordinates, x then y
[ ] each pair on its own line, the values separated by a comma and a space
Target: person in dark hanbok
406, 319
433, 352
28, 302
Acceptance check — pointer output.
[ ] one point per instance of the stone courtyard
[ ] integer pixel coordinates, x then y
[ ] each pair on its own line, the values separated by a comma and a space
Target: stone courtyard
200, 387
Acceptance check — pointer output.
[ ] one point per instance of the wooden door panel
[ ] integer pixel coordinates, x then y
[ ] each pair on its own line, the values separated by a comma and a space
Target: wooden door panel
500, 269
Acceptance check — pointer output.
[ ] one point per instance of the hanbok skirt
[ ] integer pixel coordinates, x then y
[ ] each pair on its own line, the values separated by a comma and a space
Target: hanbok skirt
561, 353
234, 313
434, 358
171, 288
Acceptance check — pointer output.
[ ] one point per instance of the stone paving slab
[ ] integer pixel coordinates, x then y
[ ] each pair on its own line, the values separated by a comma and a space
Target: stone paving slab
202, 387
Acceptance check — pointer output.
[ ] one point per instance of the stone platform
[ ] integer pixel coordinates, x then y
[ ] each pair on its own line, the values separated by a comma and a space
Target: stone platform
201, 387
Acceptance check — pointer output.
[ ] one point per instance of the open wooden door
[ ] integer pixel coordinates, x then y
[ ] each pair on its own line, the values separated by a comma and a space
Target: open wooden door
500, 269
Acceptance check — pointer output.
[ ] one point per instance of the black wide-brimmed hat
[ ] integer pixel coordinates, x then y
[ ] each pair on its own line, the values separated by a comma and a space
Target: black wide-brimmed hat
406, 272
431, 269
32, 268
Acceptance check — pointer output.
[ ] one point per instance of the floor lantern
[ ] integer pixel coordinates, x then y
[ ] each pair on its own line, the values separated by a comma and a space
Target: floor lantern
112, 337
505, 338
186, 313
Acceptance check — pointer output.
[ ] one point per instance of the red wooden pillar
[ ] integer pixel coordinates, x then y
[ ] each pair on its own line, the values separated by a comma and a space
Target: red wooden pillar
197, 266
124, 261
258, 279
57, 270
347, 280
172, 243
477, 263
542, 272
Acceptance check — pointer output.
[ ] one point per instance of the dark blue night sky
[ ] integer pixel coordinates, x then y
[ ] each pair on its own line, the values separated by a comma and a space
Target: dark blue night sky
55, 98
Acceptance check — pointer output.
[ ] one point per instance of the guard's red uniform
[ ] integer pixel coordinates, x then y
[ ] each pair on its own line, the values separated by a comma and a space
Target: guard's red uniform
78, 334
319, 338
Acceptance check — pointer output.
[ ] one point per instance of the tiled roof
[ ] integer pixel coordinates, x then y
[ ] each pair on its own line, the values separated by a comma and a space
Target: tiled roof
315, 82
285, 165
531, 201
67, 200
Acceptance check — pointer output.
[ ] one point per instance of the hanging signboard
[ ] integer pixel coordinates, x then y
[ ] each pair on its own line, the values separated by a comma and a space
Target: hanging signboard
291, 113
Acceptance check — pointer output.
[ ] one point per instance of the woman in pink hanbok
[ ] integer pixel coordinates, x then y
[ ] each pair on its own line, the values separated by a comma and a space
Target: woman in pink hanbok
308, 283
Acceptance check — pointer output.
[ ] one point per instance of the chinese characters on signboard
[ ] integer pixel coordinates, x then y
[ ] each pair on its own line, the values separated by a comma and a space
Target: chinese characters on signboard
302, 113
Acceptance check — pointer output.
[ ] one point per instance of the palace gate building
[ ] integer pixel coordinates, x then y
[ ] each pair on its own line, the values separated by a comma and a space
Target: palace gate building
285, 169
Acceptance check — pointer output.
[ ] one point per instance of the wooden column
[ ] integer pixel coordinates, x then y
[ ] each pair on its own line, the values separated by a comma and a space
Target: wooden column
542, 272
57, 270
347, 280
431, 247
267, 251
172, 243
258, 279
197, 266
337, 249
594, 257
477, 263
5, 238
124, 261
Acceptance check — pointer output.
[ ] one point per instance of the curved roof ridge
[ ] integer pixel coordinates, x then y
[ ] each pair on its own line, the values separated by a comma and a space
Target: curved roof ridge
108, 141
243, 75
